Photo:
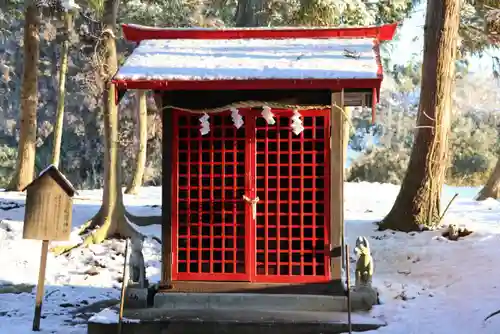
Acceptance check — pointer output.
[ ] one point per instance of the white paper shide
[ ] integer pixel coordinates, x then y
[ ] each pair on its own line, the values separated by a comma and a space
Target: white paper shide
297, 126
237, 118
268, 115
205, 124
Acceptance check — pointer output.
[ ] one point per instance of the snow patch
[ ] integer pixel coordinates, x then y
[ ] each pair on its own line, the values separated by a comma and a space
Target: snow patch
428, 284
106, 316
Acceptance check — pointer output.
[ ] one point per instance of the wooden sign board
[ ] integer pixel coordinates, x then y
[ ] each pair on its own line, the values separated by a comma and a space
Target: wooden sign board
48, 207
47, 217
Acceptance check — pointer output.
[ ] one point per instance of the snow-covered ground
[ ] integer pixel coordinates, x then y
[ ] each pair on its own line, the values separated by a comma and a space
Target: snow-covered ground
427, 283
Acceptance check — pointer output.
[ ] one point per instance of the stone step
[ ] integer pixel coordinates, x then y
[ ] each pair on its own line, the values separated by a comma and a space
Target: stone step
176, 301
233, 320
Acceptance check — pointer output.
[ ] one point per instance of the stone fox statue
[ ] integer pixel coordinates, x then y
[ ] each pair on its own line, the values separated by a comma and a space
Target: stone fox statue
137, 268
364, 264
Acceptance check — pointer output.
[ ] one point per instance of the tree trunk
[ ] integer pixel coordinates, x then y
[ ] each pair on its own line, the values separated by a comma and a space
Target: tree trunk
492, 188
110, 220
25, 167
58, 128
418, 201
250, 13
142, 123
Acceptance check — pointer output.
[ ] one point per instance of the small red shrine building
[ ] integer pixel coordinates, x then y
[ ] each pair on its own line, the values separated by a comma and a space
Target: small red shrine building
253, 149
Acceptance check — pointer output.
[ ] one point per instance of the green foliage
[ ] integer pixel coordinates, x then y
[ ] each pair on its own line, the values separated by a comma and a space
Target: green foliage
474, 147
173, 13
281, 13
473, 150
407, 76
97, 7
380, 165
8, 157
393, 11
472, 26
318, 13
350, 13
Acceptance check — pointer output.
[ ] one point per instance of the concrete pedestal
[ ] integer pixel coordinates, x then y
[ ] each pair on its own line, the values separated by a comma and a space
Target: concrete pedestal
136, 298
230, 321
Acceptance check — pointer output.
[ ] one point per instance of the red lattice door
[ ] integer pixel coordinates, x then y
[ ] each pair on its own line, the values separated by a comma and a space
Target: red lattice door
215, 235
292, 173
210, 217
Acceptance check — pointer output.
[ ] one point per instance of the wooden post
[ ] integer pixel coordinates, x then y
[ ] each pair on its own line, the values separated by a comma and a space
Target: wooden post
348, 284
40, 288
337, 184
124, 288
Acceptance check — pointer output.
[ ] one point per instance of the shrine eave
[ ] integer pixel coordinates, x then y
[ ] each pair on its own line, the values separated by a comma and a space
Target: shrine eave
253, 84
138, 33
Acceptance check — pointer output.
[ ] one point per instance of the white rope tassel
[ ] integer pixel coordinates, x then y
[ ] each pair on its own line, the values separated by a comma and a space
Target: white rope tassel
297, 126
205, 125
268, 115
237, 118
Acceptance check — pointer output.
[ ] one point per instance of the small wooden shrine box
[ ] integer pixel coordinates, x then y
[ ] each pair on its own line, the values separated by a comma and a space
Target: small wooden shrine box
255, 207
48, 206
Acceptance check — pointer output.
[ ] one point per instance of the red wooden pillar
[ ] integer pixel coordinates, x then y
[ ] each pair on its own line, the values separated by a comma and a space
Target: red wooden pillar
167, 191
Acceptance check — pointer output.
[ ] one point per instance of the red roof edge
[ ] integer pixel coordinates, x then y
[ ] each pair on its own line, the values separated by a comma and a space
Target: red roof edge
138, 33
376, 50
249, 84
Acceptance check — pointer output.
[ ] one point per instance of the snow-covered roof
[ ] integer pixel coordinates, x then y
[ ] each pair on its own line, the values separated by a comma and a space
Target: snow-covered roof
247, 59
